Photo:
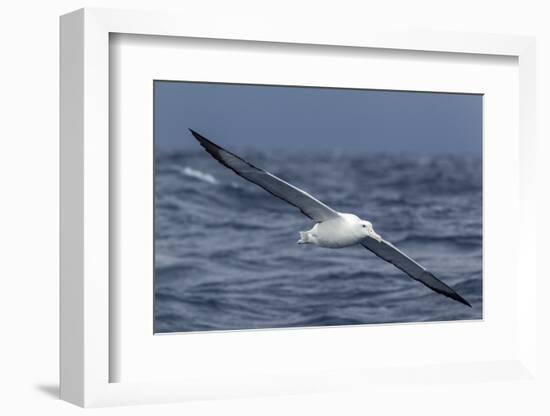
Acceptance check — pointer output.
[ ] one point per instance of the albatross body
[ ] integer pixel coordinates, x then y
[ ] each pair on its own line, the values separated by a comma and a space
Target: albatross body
332, 229
343, 231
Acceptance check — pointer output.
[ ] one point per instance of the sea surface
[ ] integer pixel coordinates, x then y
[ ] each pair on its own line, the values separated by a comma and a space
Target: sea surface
226, 255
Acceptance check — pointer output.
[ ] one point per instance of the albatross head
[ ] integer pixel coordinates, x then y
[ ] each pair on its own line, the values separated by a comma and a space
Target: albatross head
368, 231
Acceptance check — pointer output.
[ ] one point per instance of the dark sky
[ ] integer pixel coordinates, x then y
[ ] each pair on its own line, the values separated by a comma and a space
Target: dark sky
273, 117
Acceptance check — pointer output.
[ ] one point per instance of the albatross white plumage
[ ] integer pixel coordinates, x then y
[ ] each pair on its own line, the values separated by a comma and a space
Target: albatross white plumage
332, 229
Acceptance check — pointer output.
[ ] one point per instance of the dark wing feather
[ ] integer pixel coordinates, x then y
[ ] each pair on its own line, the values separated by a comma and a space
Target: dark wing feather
308, 205
391, 254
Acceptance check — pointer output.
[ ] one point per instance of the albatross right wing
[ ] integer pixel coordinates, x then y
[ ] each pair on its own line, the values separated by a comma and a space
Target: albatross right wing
393, 255
307, 204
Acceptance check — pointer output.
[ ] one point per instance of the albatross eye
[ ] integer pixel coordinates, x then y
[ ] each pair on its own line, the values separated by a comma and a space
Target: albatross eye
364, 226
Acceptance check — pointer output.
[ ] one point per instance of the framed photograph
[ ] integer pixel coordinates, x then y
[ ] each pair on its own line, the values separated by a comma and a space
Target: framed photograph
271, 212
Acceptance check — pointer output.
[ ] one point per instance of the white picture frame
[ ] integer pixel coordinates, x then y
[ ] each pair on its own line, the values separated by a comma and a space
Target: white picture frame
86, 352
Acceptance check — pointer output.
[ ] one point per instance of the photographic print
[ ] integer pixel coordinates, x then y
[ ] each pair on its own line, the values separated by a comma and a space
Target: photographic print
289, 206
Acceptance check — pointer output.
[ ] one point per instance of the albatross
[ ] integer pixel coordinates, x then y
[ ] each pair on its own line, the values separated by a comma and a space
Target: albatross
332, 229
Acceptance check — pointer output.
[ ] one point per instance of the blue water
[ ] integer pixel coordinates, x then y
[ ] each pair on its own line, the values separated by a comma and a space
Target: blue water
226, 255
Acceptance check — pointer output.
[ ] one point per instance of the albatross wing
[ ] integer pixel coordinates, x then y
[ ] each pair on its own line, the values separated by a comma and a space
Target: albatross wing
308, 205
391, 254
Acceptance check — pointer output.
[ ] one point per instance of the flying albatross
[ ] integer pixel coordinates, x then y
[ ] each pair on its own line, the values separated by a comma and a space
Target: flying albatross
332, 229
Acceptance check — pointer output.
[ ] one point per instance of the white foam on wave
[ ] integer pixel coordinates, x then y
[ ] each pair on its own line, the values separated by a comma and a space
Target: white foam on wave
197, 174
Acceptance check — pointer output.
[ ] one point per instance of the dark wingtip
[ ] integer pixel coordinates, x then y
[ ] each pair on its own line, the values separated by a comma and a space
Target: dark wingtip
449, 292
460, 299
203, 140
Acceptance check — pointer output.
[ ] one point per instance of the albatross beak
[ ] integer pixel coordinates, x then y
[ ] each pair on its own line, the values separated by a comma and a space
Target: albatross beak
373, 234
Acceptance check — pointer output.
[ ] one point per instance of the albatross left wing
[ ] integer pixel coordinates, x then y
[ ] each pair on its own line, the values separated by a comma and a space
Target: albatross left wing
393, 255
307, 204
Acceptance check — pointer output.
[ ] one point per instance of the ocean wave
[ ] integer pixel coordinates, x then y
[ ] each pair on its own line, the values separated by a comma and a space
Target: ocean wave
226, 256
197, 174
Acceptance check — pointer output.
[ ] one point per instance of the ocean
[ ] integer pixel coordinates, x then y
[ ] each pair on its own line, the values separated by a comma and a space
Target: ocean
226, 256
